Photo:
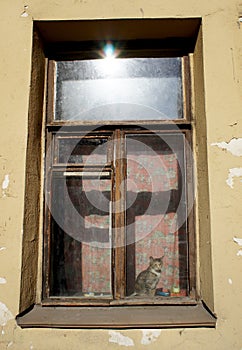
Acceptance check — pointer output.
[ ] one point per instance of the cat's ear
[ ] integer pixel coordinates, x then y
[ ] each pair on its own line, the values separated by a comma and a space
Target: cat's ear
151, 259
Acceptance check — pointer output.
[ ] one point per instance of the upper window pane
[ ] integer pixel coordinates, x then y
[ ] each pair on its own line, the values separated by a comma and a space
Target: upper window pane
80, 150
119, 89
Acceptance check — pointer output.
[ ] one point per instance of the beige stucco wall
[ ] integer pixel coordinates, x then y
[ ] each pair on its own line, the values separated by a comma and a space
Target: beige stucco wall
222, 48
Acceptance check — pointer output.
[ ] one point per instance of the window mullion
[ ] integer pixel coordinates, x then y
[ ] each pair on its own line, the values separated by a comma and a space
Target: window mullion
119, 217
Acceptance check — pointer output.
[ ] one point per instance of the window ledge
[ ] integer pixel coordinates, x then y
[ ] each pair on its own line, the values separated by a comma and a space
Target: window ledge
167, 316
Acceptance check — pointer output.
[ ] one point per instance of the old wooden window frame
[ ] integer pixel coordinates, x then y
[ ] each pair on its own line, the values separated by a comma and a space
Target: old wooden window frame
190, 312
117, 130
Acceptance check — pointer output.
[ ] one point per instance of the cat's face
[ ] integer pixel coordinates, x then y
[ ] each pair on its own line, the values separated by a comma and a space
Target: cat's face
156, 263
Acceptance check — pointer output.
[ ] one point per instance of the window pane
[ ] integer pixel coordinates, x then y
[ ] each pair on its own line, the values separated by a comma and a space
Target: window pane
119, 89
81, 237
156, 209
76, 150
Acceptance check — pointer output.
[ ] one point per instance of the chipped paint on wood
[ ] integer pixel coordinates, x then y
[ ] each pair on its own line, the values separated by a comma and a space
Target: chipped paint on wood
120, 339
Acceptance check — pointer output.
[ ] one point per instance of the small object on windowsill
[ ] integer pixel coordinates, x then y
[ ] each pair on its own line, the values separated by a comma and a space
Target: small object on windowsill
182, 293
175, 290
90, 294
163, 292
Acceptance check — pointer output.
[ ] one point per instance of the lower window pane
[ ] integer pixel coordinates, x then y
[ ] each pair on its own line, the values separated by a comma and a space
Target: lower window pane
156, 209
80, 237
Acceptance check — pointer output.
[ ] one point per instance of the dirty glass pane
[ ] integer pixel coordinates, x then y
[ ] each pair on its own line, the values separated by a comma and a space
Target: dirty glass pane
76, 150
119, 89
81, 236
156, 213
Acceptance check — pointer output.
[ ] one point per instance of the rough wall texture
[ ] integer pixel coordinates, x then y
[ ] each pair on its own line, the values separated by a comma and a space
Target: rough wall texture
222, 45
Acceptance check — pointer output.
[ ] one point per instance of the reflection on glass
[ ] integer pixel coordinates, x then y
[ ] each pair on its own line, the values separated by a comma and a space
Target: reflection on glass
119, 89
81, 237
155, 207
89, 151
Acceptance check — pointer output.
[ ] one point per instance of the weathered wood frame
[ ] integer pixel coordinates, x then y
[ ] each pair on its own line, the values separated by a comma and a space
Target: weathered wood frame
119, 168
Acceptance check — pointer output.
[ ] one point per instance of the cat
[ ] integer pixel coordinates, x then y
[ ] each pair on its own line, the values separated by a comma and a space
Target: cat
148, 279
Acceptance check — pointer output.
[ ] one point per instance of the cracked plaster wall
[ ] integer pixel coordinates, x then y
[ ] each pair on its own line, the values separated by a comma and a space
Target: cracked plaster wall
222, 41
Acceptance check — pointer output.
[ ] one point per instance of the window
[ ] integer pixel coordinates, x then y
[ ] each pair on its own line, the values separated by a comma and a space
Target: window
119, 229
117, 195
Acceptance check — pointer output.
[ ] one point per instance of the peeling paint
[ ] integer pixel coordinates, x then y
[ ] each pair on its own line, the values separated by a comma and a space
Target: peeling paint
5, 183
2, 248
238, 241
230, 281
150, 336
5, 314
234, 146
234, 172
3, 280
25, 13
120, 339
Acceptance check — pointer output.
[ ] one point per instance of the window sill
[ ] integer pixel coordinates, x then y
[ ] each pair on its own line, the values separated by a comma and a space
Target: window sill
166, 316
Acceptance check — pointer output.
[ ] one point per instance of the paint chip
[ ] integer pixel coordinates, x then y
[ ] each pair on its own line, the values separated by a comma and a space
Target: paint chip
239, 253
150, 336
2, 248
234, 146
5, 182
238, 241
120, 339
25, 14
5, 314
234, 172
230, 281
3, 280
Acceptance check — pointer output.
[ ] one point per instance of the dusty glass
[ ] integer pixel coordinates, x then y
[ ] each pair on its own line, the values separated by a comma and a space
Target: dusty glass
119, 89
77, 150
81, 235
156, 204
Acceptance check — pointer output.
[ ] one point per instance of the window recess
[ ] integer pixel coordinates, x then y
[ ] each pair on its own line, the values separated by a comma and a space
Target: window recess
119, 193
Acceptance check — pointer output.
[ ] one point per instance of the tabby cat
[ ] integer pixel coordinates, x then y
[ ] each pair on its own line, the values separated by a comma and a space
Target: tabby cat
148, 279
